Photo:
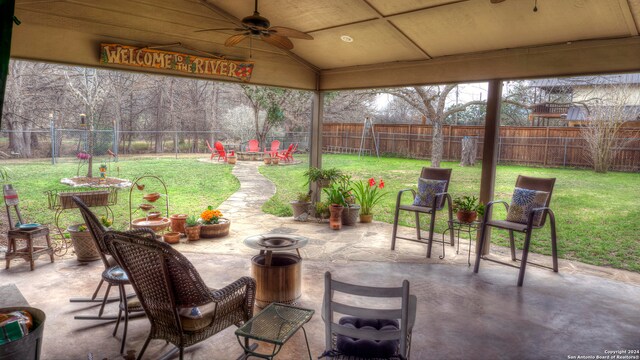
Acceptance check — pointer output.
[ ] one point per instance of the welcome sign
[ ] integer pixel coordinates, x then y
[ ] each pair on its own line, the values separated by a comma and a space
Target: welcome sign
169, 60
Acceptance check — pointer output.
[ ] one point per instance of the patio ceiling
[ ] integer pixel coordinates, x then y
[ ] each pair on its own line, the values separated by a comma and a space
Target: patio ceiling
395, 42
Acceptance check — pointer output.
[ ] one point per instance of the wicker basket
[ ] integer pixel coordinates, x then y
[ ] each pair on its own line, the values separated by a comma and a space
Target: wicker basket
215, 230
83, 244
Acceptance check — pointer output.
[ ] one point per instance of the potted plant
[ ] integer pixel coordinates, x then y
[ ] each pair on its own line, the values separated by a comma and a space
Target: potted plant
323, 177
192, 228
301, 204
83, 244
212, 224
335, 197
267, 159
321, 210
467, 208
368, 195
351, 208
231, 158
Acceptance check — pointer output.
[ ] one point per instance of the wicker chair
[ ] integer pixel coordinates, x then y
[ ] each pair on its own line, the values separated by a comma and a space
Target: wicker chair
113, 274
402, 335
438, 204
529, 183
167, 283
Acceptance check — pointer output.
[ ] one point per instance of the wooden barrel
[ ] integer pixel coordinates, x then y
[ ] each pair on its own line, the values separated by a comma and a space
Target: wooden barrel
280, 282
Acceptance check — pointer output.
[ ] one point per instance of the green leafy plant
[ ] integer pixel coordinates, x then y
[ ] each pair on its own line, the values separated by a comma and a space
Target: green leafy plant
303, 197
192, 221
368, 194
322, 209
469, 204
4, 173
82, 228
105, 221
335, 195
314, 174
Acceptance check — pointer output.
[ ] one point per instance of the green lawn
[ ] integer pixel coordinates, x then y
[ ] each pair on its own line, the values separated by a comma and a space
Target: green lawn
192, 185
597, 214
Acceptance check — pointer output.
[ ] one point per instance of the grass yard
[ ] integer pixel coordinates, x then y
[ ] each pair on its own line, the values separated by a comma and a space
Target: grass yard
192, 186
596, 214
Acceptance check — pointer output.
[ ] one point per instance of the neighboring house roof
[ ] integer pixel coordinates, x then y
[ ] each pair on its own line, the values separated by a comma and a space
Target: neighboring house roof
580, 113
586, 81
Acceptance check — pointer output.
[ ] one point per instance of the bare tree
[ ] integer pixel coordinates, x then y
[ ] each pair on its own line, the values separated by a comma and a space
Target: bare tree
606, 118
430, 102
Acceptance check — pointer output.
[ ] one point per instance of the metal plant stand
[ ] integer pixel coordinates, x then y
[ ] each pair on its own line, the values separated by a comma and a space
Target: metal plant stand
469, 228
141, 184
59, 201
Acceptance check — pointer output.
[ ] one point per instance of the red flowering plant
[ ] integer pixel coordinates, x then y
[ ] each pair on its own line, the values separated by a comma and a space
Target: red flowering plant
368, 194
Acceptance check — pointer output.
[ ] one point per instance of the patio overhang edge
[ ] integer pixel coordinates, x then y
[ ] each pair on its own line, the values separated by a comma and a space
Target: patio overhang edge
576, 58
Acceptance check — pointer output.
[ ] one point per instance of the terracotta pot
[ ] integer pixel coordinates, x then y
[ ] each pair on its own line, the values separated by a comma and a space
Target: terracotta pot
466, 216
366, 218
231, 160
323, 183
275, 161
335, 219
215, 230
152, 197
192, 232
267, 160
177, 222
171, 237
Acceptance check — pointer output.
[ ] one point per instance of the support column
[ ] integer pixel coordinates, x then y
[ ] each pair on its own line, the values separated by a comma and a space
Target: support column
490, 150
315, 148
6, 26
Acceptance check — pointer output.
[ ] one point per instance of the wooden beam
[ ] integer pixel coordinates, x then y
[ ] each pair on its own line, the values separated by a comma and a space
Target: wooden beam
489, 151
315, 150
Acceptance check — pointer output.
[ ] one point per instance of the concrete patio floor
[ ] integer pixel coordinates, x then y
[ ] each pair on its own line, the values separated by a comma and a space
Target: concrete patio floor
582, 310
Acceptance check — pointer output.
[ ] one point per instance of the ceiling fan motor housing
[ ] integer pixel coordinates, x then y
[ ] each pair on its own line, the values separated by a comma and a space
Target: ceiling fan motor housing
256, 21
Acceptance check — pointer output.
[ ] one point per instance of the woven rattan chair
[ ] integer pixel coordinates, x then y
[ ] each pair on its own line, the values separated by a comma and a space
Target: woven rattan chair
529, 183
167, 283
406, 315
438, 204
113, 274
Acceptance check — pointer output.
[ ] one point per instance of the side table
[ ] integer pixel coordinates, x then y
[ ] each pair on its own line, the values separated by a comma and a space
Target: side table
274, 325
469, 228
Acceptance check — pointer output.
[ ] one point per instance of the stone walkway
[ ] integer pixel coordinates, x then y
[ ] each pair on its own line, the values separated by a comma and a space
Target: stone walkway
362, 242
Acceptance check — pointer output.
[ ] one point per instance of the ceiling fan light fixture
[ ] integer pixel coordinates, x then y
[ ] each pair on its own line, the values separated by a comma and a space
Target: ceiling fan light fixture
346, 38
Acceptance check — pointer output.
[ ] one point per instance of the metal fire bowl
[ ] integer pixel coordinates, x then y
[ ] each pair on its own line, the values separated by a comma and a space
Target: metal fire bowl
276, 242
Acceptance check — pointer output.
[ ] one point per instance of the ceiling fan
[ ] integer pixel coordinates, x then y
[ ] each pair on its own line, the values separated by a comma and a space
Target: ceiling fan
256, 26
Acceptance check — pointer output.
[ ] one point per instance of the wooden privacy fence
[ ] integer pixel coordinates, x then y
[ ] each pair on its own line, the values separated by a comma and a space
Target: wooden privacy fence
542, 146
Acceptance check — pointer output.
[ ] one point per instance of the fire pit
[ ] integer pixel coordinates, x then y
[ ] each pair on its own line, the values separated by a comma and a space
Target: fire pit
278, 276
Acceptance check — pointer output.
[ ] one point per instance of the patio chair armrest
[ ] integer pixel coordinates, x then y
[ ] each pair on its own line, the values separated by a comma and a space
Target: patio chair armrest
533, 212
401, 192
489, 205
240, 293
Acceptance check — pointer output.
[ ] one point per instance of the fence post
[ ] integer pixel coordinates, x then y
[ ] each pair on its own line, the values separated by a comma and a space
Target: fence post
53, 139
175, 141
499, 148
564, 161
115, 142
546, 148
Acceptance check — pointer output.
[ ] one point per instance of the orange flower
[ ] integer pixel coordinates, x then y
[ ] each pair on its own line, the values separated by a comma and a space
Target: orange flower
210, 216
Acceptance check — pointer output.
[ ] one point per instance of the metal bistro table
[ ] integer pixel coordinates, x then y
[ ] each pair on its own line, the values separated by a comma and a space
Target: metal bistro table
456, 225
275, 325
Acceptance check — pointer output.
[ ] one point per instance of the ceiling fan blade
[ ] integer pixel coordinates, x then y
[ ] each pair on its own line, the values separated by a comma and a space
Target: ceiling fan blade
235, 39
277, 41
221, 29
288, 32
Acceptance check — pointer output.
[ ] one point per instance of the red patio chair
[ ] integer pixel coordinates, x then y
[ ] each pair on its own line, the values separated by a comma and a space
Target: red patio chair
213, 151
295, 148
275, 148
254, 145
220, 149
286, 154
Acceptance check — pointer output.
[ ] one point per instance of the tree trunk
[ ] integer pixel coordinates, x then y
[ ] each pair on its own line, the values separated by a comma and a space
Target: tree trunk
469, 151
437, 145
